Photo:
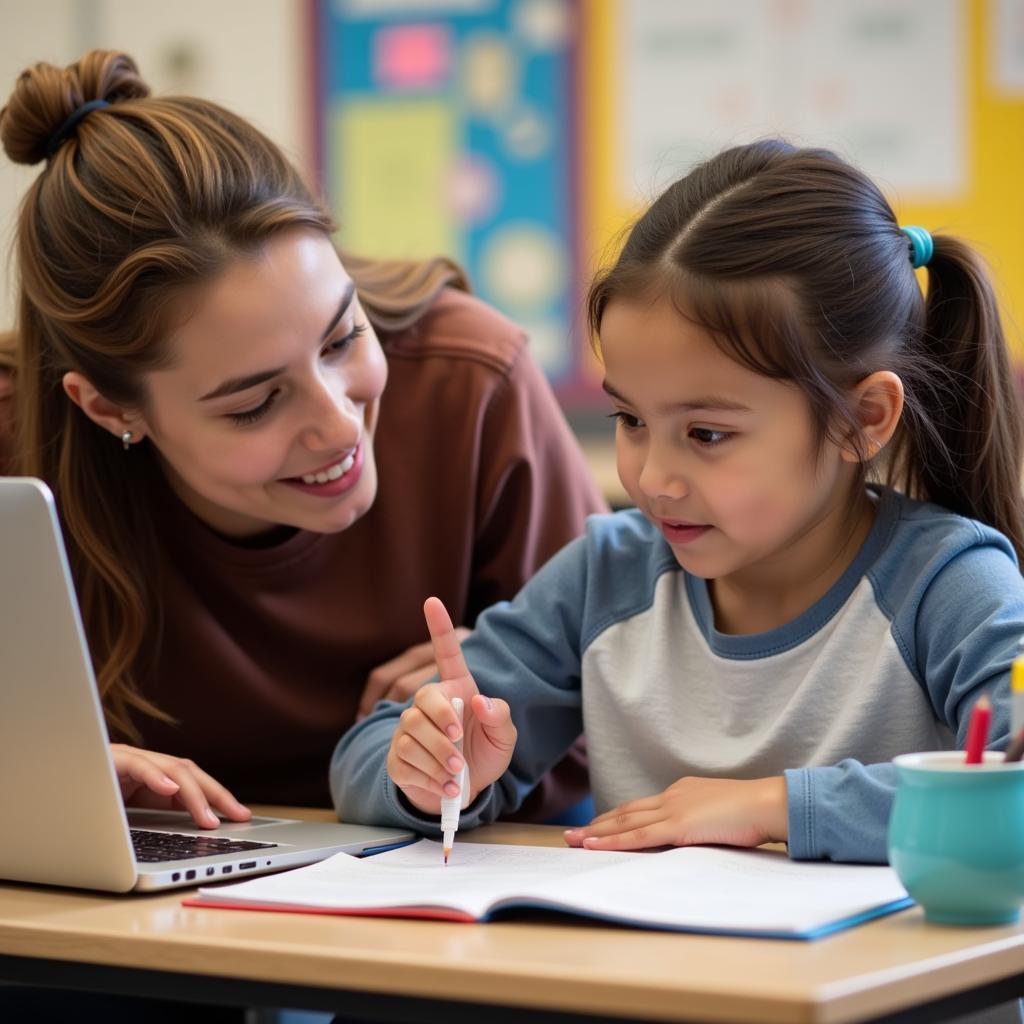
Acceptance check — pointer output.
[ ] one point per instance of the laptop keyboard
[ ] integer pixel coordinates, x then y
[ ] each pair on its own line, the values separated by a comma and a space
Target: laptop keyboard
153, 847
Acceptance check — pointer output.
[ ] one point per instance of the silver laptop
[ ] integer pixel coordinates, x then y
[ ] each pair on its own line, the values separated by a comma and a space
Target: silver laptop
63, 820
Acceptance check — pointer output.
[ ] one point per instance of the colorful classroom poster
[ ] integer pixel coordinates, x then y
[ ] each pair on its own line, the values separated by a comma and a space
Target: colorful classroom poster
447, 129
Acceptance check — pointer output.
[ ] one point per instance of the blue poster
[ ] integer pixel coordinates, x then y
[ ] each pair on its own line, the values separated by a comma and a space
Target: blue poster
448, 128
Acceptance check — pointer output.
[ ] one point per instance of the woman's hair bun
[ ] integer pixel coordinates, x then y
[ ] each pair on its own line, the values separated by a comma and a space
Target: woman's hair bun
45, 96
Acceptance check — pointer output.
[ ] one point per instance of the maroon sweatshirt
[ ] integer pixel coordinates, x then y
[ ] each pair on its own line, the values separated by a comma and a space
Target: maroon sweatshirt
265, 651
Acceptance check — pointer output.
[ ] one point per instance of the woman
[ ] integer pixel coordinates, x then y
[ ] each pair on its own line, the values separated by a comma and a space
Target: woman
251, 518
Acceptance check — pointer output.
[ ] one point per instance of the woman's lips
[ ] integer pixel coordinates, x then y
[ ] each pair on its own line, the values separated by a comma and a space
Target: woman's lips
340, 476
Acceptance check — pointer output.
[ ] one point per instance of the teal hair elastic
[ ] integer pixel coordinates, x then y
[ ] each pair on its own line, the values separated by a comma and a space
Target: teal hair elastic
921, 245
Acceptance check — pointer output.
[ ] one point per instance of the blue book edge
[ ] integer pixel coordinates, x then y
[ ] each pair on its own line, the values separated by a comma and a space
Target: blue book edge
829, 928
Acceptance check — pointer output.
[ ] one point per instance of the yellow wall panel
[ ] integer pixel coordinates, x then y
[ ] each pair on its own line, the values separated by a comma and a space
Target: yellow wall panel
988, 211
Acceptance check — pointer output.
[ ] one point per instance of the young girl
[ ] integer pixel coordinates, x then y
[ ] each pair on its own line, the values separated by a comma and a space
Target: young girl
749, 648
252, 519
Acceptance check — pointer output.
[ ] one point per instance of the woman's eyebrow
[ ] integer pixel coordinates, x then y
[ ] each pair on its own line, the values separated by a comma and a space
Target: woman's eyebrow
251, 380
346, 301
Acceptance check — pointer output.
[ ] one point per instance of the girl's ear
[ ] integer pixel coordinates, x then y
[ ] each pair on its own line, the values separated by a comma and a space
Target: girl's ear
877, 403
104, 413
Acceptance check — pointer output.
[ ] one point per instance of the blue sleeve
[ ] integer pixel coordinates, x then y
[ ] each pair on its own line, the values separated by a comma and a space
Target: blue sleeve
527, 652
958, 636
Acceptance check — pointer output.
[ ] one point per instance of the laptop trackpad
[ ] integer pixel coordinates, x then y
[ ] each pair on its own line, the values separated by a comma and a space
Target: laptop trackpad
178, 821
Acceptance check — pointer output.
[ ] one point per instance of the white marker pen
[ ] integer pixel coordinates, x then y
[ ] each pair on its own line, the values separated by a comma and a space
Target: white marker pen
451, 806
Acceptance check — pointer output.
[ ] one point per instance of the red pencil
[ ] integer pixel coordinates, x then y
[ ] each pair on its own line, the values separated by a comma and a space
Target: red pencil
977, 729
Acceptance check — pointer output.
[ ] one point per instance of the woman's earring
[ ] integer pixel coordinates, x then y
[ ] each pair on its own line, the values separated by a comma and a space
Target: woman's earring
126, 440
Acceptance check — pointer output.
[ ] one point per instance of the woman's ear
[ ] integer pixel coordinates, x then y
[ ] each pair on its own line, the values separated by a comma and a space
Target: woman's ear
106, 414
877, 403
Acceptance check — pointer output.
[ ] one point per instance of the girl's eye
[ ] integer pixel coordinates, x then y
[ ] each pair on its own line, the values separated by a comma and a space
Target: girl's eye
252, 415
342, 344
626, 420
709, 438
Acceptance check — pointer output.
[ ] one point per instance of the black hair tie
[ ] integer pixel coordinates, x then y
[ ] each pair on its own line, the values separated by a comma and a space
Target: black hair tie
63, 133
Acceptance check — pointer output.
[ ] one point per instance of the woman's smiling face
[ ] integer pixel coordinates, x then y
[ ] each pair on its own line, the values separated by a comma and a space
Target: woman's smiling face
266, 412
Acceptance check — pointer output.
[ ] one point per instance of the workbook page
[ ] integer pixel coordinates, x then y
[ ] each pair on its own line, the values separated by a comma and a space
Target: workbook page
705, 888
475, 876
720, 888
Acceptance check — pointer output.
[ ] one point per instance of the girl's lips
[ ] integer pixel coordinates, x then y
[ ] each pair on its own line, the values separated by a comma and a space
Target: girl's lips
332, 488
682, 533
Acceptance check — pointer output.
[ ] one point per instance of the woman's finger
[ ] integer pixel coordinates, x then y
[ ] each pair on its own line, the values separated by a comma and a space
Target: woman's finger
405, 686
135, 771
382, 679
178, 781
218, 795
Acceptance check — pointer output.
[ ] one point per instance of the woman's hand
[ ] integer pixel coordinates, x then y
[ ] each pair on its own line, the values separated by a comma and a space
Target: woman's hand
399, 678
423, 761
166, 783
691, 812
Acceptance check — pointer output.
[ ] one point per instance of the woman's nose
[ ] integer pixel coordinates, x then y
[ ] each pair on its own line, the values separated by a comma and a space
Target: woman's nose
334, 421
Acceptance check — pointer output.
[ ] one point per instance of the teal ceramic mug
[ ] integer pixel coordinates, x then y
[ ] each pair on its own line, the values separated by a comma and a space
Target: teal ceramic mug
956, 836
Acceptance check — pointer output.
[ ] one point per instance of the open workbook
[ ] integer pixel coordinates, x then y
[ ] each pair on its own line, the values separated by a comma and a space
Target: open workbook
696, 888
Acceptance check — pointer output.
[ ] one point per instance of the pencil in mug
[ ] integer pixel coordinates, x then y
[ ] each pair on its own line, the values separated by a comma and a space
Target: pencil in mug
977, 729
1015, 751
1017, 691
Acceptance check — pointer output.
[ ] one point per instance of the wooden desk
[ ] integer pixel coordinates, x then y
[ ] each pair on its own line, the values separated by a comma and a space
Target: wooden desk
377, 969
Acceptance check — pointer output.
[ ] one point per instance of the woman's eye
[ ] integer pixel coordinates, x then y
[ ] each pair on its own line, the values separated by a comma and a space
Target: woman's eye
252, 415
339, 346
626, 420
709, 438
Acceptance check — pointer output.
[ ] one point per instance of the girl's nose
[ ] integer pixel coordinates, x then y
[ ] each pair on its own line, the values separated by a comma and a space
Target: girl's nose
663, 477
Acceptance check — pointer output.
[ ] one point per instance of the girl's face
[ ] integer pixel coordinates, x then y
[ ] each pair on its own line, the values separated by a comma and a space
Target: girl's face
720, 458
267, 412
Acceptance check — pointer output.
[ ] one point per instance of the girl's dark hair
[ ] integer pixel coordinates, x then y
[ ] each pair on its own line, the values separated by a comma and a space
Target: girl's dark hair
794, 262
146, 199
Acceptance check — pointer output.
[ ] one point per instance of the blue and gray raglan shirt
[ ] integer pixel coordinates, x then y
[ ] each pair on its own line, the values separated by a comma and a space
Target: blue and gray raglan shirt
614, 638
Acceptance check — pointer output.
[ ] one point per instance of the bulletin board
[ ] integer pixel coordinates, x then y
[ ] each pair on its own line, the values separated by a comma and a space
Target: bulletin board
926, 95
521, 137
447, 129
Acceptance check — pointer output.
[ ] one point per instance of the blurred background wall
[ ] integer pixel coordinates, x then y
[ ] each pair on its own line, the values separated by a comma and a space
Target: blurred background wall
250, 55
520, 136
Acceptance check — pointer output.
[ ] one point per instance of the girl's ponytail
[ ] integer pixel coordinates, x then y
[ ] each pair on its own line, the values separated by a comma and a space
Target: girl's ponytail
963, 445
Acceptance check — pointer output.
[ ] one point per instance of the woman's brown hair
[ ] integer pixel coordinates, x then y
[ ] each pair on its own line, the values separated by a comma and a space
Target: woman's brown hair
794, 262
145, 199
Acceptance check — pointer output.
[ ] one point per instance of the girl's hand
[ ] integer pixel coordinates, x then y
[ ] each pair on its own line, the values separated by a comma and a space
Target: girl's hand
166, 783
691, 812
399, 678
423, 761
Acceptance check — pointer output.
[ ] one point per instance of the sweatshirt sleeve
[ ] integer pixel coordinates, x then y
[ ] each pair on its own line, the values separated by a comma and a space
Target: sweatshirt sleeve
958, 637
526, 652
